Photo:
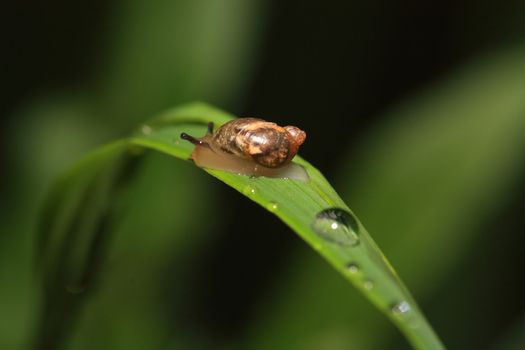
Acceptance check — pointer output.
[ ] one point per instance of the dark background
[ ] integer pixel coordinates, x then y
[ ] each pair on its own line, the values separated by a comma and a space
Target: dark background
336, 69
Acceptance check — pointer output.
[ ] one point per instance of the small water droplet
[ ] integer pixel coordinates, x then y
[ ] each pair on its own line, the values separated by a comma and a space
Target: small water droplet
337, 226
272, 206
401, 308
403, 311
368, 284
352, 268
249, 190
146, 129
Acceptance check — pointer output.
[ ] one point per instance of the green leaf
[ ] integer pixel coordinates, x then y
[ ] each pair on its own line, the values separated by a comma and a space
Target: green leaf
311, 208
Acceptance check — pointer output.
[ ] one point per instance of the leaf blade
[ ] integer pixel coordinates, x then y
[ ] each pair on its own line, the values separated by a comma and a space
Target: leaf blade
298, 204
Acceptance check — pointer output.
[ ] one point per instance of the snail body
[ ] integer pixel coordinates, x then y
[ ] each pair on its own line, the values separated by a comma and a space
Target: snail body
249, 146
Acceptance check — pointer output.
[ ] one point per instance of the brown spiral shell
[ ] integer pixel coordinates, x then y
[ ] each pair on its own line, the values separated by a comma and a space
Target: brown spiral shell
267, 143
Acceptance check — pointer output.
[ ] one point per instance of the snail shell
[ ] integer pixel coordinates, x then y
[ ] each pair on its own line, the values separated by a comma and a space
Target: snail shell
266, 143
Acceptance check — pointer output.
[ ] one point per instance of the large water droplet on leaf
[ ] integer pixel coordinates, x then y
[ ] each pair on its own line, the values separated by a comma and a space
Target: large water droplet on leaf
337, 226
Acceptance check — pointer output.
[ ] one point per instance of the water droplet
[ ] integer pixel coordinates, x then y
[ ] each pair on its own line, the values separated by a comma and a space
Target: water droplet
352, 268
403, 311
249, 190
368, 284
272, 206
337, 226
146, 129
401, 308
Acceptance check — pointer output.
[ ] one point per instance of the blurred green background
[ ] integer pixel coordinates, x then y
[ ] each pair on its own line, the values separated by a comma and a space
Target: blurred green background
414, 111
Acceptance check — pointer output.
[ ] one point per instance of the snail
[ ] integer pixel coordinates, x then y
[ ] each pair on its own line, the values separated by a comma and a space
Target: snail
250, 146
